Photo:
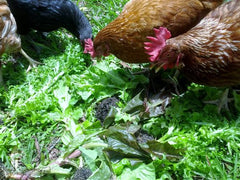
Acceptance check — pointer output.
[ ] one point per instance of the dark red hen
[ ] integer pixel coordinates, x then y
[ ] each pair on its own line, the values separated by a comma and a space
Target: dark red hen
209, 53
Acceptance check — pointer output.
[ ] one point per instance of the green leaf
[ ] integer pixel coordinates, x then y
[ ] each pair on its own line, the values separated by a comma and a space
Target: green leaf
135, 105
163, 149
89, 156
122, 141
103, 172
137, 172
63, 97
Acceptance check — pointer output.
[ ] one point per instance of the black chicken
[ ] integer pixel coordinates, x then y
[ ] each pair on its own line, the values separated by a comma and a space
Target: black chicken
49, 15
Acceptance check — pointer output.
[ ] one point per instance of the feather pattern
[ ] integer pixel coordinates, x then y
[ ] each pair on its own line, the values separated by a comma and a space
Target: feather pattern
49, 15
125, 36
211, 49
9, 40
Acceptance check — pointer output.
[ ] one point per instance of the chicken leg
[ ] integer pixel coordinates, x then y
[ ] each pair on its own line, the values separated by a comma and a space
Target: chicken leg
32, 62
222, 102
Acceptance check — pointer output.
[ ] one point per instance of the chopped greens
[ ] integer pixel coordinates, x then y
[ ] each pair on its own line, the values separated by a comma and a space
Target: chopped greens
49, 127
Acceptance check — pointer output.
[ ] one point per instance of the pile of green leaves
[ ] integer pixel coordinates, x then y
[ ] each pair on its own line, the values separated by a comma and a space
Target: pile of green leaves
54, 107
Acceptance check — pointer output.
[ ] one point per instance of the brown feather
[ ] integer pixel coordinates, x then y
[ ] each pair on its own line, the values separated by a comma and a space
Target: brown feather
211, 49
10, 41
125, 36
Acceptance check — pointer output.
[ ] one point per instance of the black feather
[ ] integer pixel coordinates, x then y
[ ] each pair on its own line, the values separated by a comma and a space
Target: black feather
49, 15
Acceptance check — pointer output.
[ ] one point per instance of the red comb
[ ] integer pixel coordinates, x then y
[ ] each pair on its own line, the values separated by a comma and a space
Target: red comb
154, 47
89, 47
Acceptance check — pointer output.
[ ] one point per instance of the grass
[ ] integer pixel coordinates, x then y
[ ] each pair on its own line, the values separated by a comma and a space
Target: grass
54, 105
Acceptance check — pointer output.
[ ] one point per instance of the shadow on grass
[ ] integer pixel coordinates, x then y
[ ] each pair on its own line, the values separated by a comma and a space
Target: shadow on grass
46, 45
39, 47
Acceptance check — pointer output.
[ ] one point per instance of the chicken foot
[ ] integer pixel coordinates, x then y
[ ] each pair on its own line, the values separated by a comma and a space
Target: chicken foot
222, 102
32, 62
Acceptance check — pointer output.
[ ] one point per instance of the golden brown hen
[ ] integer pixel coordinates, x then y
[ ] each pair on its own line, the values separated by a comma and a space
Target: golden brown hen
209, 53
125, 36
10, 41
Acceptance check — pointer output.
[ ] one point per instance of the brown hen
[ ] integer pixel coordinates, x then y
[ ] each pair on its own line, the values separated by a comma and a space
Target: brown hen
125, 36
209, 53
10, 41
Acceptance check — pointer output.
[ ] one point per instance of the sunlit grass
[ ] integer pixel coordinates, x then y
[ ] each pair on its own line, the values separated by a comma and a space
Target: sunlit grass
58, 99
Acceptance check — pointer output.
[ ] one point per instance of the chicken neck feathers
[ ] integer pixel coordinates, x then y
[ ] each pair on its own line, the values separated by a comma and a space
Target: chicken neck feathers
127, 33
49, 15
212, 48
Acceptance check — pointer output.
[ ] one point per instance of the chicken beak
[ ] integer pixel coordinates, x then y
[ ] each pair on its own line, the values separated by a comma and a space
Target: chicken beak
158, 69
152, 66
157, 66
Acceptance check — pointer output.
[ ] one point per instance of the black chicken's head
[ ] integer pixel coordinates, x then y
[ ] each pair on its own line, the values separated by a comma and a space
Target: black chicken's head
76, 22
84, 34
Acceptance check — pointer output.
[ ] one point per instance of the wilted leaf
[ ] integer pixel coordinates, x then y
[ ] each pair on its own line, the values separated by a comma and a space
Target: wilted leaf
124, 142
163, 150
148, 108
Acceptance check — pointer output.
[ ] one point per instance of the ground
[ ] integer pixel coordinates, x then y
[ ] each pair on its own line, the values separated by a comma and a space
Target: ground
73, 118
